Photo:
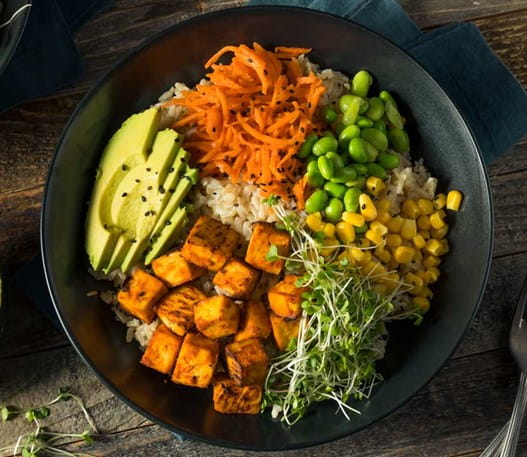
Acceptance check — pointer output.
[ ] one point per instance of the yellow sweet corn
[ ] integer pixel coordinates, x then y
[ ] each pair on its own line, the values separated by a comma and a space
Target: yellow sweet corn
355, 219
381, 289
364, 243
444, 246
383, 216
367, 208
439, 201
425, 234
345, 232
431, 261
375, 185
414, 281
373, 236
329, 230
393, 240
330, 245
395, 224
423, 276
453, 200
432, 274
425, 206
409, 229
436, 221
410, 209
383, 204
403, 254
433, 247
418, 256
378, 227
314, 222
440, 233
382, 254
358, 254
419, 241
425, 292
423, 222
422, 304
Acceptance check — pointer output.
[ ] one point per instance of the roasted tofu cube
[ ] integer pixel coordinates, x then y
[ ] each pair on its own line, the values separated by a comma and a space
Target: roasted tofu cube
284, 330
197, 361
254, 322
174, 270
176, 310
230, 398
285, 297
209, 244
264, 235
217, 316
247, 361
162, 350
139, 295
236, 279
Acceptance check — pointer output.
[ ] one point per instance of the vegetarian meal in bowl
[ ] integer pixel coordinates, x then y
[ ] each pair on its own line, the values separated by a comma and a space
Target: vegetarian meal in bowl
265, 226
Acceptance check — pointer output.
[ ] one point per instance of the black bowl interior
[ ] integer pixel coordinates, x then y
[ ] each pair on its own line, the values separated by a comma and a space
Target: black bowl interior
10, 35
439, 135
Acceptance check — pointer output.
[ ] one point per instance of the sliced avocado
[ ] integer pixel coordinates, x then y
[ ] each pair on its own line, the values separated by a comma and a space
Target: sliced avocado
178, 194
168, 235
127, 148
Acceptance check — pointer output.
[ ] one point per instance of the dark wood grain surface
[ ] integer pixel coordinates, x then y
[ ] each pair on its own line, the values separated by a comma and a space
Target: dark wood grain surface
456, 414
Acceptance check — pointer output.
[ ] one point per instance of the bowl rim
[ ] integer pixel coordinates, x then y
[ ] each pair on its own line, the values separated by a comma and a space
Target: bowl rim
115, 68
11, 45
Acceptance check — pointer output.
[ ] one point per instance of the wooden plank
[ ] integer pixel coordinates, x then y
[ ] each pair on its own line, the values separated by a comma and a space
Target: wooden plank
512, 161
450, 416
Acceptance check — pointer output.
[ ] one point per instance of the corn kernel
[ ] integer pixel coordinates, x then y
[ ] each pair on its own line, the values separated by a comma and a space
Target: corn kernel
425, 234
403, 254
390, 280
418, 256
414, 281
419, 241
436, 221
375, 185
431, 261
373, 236
425, 206
453, 200
329, 230
373, 268
346, 255
423, 276
382, 254
423, 222
378, 227
330, 246
358, 254
395, 224
410, 209
314, 222
440, 233
384, 204
444, 246
393, 240
433, 247
426, 292
345, 232
440, 201
367, 208
357, 220
422, 304
432, 274
383, 216
381, 289
364, 243
409, 229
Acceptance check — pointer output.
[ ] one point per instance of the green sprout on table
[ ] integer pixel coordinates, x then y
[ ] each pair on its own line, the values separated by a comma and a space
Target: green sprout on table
38, 441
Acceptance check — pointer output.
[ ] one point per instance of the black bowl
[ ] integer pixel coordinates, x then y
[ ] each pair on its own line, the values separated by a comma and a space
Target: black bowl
439, 135
11, 34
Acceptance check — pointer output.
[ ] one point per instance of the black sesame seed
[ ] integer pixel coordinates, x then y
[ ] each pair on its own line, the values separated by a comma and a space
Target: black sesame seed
124, 167
363, 206
143, 198
148, 169
265, 72
171, 170
168, 223
124, 194
133, 241
138, 180
105, 226
161, 190
250, 60
213, 129
147, 213
149, 188
171, 190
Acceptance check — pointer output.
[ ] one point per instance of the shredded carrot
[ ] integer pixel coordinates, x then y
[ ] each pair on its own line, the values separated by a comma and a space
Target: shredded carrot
251, 117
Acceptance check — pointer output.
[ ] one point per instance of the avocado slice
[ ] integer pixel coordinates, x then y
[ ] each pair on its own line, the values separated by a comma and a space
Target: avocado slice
179, 193
127, 148
168, 235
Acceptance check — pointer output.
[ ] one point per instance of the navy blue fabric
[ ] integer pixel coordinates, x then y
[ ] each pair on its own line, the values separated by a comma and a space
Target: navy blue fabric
46, 58
490, 98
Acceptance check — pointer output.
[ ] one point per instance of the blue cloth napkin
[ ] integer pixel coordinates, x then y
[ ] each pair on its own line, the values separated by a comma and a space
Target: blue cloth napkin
46, 58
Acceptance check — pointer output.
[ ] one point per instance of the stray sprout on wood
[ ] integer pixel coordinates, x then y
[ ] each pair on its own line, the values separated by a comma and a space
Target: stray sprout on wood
39, 441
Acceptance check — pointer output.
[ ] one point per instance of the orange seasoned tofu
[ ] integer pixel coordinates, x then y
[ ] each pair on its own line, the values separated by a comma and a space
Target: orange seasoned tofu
247, 361
139, 295
285, 297
236, 279
230, 398
217, 316
264, 235
162, 350
254, 322
176, 310
174, 270
197, 361
284, 330
209, 243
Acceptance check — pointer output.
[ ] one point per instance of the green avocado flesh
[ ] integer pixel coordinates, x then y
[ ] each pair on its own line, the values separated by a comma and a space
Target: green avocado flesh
135, 205
168, 235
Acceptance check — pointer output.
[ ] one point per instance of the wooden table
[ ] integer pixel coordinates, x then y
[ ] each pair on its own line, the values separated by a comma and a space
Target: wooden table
456, 414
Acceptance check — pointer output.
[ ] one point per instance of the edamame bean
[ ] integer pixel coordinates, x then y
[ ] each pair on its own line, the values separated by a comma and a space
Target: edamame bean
312, 167
374, 169
357, 150
328, 133
334, 189
392, 113
399, 140
315, 179
317, 201
364, 106
359, 168
380, 125
358, 182
310, 159
376, 109
371, 152
333, 210
350, 115
338, 162
330, 115
363, 121
349, 132
325, 144
388, 160
346, 100
361, 229
361, 82
351, 199
343, 175
339, 127
385, 96
307, 147
325, 167
375, 137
